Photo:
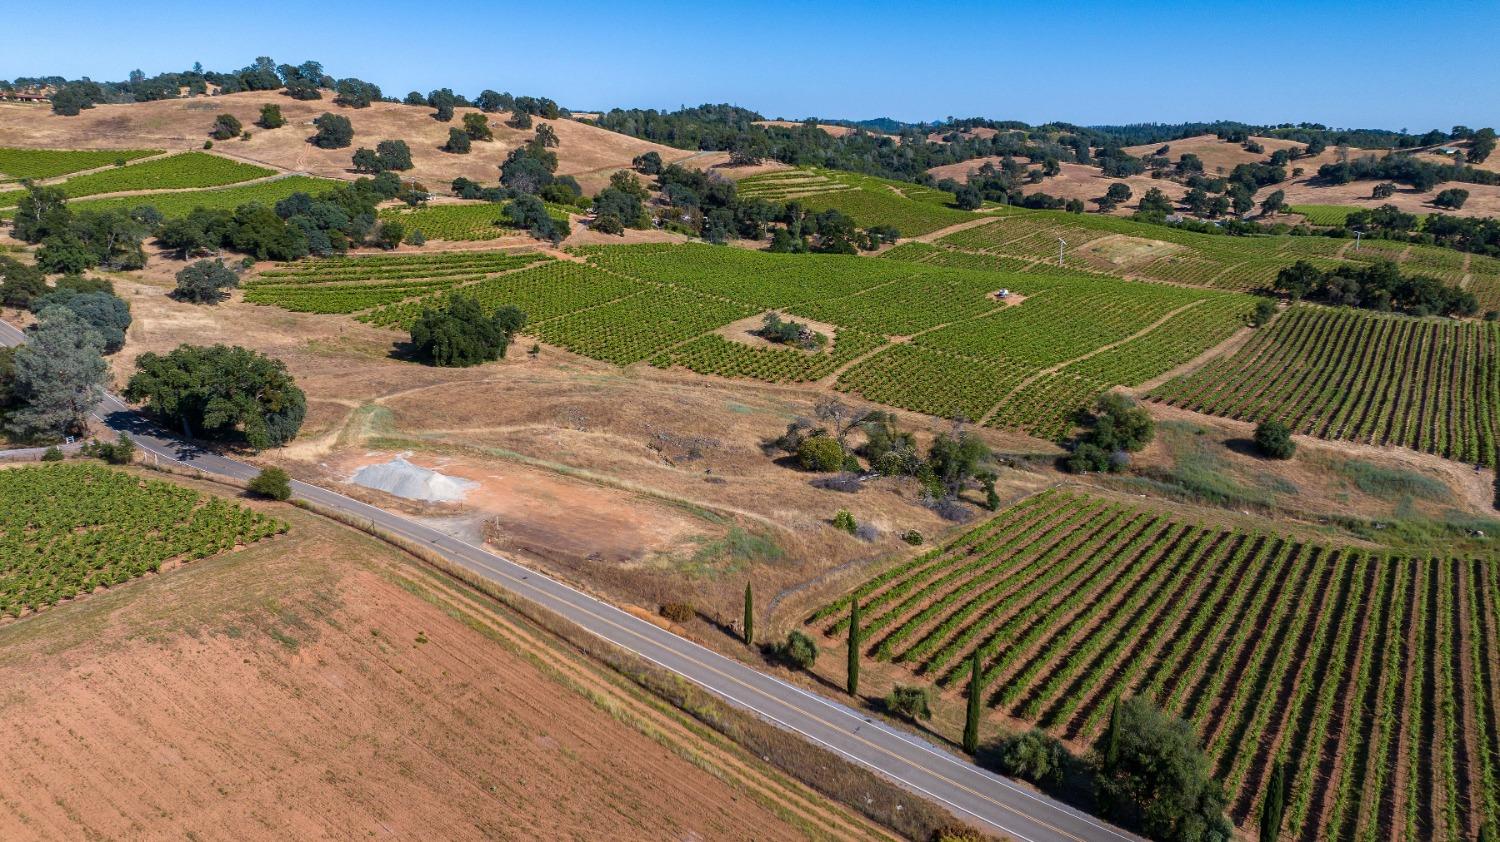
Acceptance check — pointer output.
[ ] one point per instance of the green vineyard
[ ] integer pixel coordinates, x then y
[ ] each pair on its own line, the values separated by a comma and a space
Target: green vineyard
1371, 675
182, 202
911, 209
1029, 361
1122, 247
1428, 384
352, 284
17, 164
175, 172
459, 222
68, 529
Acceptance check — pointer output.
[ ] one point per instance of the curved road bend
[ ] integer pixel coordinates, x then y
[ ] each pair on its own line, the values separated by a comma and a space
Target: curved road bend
978, 796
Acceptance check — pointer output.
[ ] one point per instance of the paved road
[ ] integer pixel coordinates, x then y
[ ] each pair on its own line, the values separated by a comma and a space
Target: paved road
974, 794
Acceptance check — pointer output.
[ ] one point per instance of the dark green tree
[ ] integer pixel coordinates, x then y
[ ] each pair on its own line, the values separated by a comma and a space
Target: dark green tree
221, 392
270, 117
458, 142
1153, 777
20, 282
1273, 805
334, 131
1274, 439
477, 127
226, 127
460, 333
58, 377
851, 682
749, 629
976, 701
205, 282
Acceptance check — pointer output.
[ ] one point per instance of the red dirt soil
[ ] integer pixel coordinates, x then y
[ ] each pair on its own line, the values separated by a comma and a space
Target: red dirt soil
305, 689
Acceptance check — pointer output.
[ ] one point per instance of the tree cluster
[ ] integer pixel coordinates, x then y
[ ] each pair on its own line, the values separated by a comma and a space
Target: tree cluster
74, 242
1376, 286
1116, 428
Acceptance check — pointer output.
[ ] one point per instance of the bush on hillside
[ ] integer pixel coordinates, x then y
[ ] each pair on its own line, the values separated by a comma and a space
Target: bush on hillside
271, 483
1274, 439
460, 334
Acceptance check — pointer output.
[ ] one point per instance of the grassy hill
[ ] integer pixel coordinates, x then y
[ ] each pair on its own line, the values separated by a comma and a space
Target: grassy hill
588, 153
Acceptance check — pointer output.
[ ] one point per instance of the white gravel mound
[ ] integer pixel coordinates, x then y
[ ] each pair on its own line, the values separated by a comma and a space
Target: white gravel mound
403, 479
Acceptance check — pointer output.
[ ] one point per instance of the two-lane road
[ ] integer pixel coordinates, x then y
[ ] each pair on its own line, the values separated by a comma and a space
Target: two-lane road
978, 796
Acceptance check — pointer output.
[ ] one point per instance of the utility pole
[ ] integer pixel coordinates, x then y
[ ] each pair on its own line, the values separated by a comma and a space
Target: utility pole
1060, 243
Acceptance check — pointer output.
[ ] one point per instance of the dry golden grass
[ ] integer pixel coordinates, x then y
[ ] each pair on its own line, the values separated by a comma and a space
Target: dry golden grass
585, 152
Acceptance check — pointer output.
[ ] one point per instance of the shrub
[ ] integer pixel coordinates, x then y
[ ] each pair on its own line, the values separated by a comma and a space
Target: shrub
270, 117
1453, 198
225, 127
845, 521
414, 237
820, 453
1264, 310
913, 537
271, 483
121, 452
910, 703
678, 612
208, 144
458, 142
867, 532
52, 454
1274, 439
1034, 756
799, 651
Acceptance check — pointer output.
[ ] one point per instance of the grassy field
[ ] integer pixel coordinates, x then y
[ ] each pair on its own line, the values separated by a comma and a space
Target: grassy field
68, 529
1072, 601
1428, 384
912, 209
17, 164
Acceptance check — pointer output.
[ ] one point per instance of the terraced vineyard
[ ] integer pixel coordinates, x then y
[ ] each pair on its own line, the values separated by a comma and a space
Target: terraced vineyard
961, 350
1273, 649
911, 209
1428, 384
459, 222
352, 284
175, 172
183, 202
17, 164
1154, 252
68, 529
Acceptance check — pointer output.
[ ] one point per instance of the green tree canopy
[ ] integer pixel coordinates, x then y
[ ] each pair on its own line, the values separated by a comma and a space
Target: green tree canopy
221, 392
59, 376
461, 334
1159, 782
205, 282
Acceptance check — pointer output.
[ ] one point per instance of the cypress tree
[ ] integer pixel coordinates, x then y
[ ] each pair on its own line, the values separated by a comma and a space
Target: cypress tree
1273, 805
853, 683
971, 721
1112, 738
749, 615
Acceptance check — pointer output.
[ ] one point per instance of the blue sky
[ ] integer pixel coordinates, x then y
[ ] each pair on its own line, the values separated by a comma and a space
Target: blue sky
1415, 65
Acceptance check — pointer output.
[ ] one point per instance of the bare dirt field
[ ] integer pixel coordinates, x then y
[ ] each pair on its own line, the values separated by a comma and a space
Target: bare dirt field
325, 686
585, 152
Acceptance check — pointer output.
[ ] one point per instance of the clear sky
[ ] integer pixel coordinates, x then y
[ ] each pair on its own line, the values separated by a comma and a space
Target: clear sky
1375, 63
